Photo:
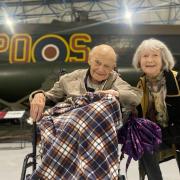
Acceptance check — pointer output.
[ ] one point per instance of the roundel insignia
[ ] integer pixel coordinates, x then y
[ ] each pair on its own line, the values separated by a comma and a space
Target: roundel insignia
50, 48
50, 52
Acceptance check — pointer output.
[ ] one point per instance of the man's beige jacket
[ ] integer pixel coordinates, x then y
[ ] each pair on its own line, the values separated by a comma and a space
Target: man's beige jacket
73, 84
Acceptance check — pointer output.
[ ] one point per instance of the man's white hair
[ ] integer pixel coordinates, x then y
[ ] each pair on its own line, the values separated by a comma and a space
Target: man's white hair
104, 48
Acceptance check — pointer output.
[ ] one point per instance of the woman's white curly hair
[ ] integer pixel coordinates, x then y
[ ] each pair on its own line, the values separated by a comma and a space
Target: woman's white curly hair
154, 44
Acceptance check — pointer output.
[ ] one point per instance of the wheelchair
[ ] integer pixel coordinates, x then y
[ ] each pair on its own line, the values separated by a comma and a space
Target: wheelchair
30, 160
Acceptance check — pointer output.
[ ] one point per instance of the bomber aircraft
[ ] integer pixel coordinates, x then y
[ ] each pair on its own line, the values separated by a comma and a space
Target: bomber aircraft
33, 56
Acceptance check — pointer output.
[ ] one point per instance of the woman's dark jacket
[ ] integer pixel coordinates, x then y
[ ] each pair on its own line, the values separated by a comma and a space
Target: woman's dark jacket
172, 102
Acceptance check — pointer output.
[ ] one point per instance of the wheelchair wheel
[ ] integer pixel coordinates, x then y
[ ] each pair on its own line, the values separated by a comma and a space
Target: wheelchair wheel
121, 177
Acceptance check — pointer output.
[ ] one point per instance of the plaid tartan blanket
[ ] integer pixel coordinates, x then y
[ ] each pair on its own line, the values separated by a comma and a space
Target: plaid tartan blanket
79, 139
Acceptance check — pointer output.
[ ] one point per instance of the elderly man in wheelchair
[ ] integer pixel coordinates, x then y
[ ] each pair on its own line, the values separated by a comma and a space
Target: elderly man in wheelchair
79, 135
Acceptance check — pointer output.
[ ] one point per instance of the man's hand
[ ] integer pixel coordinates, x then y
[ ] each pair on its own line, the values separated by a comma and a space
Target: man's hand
37, 106
110, 91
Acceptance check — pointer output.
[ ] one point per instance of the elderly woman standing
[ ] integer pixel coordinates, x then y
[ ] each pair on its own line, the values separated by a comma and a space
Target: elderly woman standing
161, 99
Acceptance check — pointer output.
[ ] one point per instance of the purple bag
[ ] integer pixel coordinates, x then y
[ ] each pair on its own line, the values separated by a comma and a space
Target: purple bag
138, 135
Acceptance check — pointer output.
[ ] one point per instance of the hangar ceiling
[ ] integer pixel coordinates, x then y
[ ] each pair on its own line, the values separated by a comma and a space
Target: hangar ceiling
114, 11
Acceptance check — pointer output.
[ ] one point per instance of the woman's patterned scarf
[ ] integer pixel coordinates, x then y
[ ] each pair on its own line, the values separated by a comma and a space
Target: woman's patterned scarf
157, 110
